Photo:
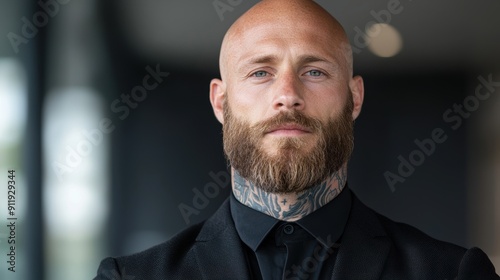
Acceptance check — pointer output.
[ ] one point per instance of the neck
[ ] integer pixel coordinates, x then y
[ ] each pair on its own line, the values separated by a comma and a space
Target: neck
289, 206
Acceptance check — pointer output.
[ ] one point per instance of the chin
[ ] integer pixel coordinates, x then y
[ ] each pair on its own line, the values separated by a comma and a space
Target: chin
280, 145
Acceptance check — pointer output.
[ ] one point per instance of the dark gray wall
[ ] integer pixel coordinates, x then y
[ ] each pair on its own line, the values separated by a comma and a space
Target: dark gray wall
399, 109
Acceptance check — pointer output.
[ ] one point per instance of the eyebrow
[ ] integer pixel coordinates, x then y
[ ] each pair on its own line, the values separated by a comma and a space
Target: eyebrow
262, 59
333, 63
312, 58
304, 59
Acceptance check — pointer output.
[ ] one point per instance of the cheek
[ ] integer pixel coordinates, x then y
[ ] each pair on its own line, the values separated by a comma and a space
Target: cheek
248, 103
326, 105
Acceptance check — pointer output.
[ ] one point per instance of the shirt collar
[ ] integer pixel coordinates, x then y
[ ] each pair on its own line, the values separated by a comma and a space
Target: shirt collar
252, 225
326, 224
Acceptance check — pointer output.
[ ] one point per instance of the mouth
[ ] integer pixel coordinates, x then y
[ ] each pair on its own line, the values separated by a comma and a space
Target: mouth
288, 130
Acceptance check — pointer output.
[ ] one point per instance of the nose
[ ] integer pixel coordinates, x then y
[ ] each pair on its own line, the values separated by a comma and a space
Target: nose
288, 93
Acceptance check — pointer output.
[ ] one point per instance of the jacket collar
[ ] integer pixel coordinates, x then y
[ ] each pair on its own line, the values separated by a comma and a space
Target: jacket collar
219, 250
365, 245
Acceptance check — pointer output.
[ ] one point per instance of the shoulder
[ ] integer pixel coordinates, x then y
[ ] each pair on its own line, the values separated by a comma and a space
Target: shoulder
417, 253
173, 258
412, 243
413, 248
411, 238
403, 237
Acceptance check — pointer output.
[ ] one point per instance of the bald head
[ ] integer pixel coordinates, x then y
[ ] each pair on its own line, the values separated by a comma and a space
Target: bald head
287, 18
280, 60
286, 55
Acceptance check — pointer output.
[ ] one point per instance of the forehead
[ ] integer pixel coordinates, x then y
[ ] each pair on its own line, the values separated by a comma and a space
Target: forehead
279, 39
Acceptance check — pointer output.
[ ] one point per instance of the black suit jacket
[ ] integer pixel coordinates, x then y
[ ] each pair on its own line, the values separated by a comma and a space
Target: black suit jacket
373, 247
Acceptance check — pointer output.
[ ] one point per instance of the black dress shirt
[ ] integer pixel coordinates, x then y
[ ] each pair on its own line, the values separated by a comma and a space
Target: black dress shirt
304, 249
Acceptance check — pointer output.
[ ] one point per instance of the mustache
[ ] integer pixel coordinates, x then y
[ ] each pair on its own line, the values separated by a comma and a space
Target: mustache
285, 118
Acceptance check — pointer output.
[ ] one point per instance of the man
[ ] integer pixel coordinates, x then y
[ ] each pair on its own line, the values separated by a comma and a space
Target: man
287, 100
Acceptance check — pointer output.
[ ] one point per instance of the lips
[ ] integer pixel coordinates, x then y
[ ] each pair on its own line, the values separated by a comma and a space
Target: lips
289, 129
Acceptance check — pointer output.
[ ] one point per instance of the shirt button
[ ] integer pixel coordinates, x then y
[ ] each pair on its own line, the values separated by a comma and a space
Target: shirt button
288, 229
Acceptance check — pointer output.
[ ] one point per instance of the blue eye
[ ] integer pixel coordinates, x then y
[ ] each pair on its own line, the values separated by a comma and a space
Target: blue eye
315, 73
259, 74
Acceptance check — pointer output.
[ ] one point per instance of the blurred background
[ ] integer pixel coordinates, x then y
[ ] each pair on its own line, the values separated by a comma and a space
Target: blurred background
105, 116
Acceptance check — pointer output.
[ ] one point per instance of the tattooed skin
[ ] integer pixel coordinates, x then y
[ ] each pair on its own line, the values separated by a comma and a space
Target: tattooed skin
291, 206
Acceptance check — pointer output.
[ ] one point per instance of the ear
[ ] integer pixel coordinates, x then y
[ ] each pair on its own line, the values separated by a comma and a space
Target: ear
358, 94
217, 98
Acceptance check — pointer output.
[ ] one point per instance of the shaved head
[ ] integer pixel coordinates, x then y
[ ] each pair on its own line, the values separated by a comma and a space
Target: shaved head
286, 16
287, 97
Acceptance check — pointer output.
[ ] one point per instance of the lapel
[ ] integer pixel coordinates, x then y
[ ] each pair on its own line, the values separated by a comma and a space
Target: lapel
218, 248
365, 246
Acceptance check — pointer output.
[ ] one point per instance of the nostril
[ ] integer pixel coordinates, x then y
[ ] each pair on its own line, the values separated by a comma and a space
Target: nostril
288, 101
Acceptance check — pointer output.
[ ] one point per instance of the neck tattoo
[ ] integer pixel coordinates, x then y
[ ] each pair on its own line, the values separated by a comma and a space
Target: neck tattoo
290, 206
